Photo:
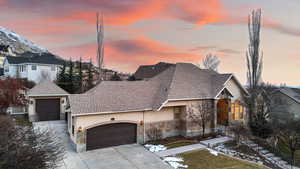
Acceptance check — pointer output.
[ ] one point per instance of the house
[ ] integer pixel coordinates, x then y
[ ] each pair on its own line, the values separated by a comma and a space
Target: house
32, 66
149, 71
290, 97
123, 112
1, 71
47, 101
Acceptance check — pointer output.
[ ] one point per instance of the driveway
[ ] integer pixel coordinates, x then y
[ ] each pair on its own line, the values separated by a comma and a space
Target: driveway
132, 156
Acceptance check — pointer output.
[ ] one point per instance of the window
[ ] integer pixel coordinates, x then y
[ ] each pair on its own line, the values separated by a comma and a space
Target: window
52, 68
33, 67
237, 111
177, 112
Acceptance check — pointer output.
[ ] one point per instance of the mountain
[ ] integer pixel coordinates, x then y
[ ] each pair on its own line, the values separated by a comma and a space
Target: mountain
17, 44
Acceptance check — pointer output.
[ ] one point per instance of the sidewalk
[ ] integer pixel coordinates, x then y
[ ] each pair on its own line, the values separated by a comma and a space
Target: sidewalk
201, 145
213, 142
178, 150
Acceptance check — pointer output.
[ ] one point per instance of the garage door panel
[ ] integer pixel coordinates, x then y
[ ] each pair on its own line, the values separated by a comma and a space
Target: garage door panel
48, 109
111, 135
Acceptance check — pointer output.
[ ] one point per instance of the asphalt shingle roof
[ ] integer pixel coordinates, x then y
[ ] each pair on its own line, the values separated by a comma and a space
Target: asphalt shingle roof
149, 71
182, 81
46, 88
292, 92
41, 58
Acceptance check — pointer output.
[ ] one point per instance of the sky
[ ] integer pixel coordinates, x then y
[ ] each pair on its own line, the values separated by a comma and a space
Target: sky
141, 32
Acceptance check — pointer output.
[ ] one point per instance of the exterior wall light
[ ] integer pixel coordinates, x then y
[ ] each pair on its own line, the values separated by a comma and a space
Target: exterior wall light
141, 122
79, 129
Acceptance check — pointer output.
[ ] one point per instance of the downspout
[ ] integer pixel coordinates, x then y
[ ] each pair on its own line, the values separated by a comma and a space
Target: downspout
144, 126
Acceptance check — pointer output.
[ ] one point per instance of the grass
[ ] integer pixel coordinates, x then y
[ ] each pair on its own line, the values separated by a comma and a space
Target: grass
179, 144
203, 159
22, 121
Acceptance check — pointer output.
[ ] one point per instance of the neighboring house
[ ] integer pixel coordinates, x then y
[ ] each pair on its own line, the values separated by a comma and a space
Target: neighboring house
123, 112
1, 71
35, 67
290, 97
47, 101
149, 71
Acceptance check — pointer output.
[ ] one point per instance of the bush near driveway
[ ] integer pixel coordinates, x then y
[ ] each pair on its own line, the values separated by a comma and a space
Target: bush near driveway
203, 159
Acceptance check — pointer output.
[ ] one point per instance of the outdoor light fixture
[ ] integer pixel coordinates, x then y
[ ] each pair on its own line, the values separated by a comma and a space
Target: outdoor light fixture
141, 122
79, 129
112, 119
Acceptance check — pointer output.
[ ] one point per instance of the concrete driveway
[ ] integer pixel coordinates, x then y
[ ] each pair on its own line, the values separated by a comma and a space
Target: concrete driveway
132, 156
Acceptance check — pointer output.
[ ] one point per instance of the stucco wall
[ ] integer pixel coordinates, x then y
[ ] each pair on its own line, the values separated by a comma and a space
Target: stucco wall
87, 121
234, 89
32, 102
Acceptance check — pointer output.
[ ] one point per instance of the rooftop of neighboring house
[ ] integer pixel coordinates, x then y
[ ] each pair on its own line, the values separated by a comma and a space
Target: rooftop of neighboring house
46, 88
182, 81
149, 71
293, 93
39, 58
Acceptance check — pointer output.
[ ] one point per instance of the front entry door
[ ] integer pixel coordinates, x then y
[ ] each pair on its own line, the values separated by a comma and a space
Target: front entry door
222, 112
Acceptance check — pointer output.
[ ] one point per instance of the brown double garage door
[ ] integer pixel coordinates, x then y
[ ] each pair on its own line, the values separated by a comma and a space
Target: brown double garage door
110, 135
47, 109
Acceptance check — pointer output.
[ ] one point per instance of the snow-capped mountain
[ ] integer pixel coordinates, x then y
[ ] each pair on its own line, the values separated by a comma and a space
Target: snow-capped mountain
17, 44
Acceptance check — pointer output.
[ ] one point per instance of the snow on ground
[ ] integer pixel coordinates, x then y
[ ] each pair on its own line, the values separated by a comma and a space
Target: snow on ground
155, 148
213, 152
175, 162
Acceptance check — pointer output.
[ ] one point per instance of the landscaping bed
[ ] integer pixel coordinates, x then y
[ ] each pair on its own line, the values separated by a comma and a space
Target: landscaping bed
282, 151
178, 141
243, 151
22, 120
204, 159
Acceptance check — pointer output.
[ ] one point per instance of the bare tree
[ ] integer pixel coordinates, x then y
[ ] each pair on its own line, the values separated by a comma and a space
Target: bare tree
22, 147
254, 59
290, 136
100, 44
154, 133
201, 114
211, 62
239, 130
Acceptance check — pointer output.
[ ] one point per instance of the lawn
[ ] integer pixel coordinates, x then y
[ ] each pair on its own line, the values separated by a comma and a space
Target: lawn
203, 159
179, 144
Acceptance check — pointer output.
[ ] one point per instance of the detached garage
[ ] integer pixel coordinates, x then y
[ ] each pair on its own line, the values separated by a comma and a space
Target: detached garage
47, 102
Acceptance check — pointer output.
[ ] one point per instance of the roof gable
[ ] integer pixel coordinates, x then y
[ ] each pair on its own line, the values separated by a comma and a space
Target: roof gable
46, 88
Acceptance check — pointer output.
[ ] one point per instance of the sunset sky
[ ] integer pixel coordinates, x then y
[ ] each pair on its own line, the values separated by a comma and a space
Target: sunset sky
139, 32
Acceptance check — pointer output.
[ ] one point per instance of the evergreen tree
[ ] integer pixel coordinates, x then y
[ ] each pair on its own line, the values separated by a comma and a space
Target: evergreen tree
71, 79
90, 83
62, 79
79, 79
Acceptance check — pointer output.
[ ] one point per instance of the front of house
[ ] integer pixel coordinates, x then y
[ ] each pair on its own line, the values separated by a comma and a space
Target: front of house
123, 112
34, 68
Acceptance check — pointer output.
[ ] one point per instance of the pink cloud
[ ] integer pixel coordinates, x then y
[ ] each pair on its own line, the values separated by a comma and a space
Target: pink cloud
126, 55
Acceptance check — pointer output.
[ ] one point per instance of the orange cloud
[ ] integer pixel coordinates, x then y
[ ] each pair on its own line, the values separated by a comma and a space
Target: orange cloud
126, 55
130, 11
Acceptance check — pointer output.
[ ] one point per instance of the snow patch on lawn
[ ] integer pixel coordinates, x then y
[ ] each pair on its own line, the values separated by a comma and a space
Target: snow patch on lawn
155, 148
175, 162
213, 152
